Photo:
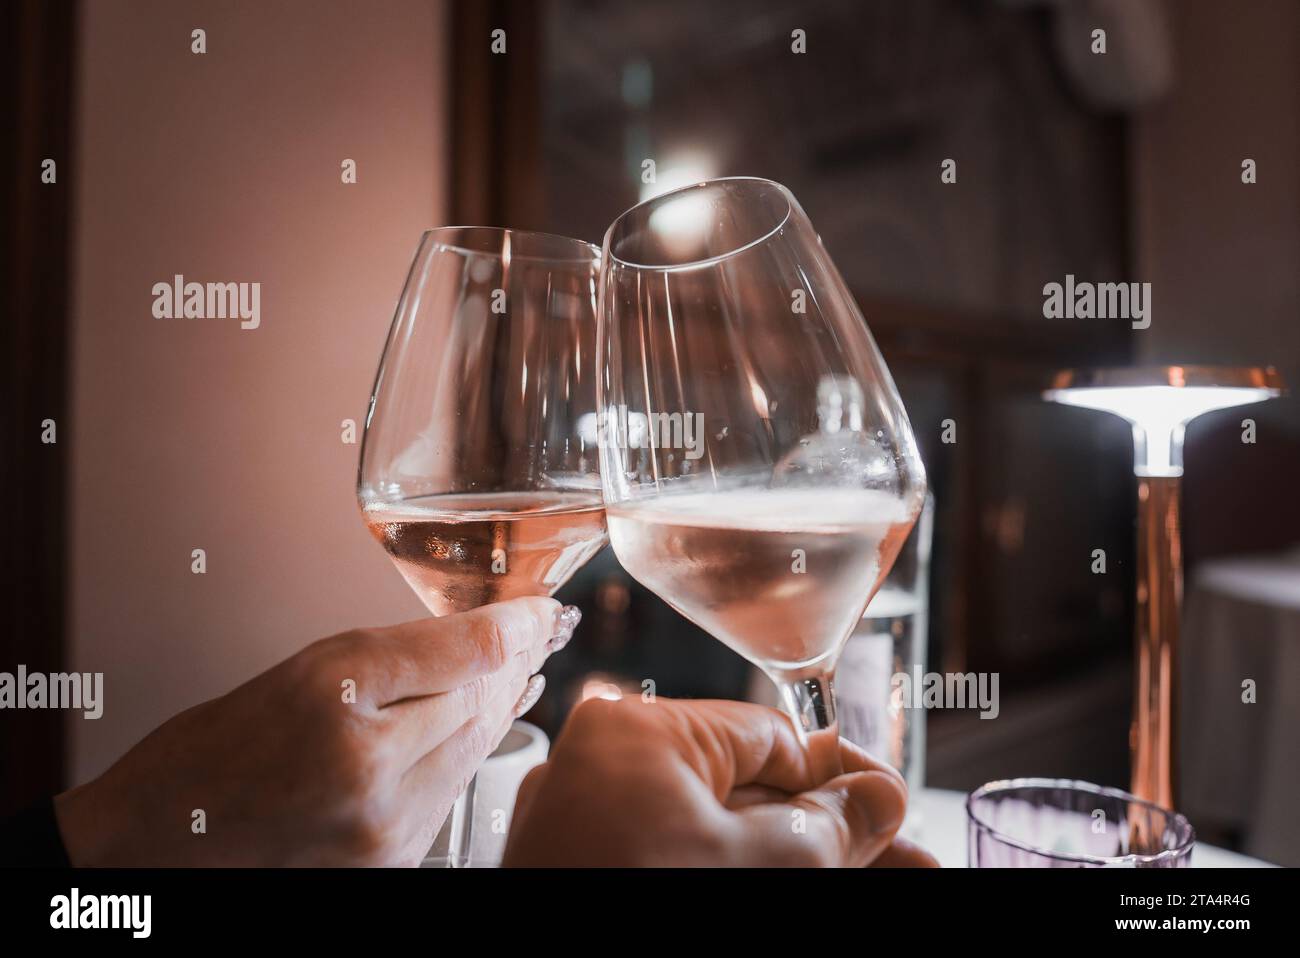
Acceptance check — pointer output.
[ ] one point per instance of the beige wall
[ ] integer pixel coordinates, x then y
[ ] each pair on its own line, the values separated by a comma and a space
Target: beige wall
194, 433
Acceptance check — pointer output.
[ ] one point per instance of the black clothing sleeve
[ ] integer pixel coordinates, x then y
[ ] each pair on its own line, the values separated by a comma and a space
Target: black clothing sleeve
31, 839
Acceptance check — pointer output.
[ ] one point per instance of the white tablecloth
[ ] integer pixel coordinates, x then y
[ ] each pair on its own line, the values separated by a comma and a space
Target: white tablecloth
1240, 764
940, 829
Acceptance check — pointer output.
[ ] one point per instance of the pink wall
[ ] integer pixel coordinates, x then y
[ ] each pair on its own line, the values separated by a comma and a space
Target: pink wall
195, 433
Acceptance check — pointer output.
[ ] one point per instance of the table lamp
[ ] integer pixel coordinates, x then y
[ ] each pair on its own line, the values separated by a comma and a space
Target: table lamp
1159, 401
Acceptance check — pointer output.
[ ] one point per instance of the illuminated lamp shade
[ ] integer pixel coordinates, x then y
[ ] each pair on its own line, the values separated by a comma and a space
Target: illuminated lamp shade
1159, 401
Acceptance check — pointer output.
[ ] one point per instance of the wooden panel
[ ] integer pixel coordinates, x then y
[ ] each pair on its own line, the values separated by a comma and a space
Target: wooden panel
495, 174
36, 47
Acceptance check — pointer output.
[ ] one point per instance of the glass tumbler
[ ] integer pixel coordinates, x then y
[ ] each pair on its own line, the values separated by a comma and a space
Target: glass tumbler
1059, 823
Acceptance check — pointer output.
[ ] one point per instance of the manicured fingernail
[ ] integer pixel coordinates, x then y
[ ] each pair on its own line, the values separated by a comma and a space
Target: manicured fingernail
532, 692
566, 620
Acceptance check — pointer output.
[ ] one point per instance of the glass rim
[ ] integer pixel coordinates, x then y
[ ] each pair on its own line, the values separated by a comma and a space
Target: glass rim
1077, 785
590, 251
791, 205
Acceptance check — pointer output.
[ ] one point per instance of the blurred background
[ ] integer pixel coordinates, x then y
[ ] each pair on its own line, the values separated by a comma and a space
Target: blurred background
1117, 167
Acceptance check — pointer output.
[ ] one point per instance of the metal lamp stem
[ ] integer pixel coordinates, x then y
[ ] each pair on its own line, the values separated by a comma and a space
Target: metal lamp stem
1152, 744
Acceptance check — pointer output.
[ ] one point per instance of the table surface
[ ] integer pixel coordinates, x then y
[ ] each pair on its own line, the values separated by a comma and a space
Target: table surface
940, 828
1242, 621
1272, 580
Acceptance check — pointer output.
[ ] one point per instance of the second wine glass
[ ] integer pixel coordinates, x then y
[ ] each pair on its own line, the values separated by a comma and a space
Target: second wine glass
477, 474
759, 470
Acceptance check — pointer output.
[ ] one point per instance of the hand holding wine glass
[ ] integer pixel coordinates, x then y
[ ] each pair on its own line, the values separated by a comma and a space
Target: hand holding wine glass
348, 753
715, 784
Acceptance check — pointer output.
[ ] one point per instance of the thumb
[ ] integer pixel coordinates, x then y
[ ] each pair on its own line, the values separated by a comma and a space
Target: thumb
845, 823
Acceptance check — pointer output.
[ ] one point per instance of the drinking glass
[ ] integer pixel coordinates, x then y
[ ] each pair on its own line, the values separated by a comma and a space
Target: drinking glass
889, 642
759, 471
475, 475
1058, 823
496, 788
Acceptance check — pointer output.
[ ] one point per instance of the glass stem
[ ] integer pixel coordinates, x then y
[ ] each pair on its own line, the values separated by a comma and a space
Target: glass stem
462, 827
810, 702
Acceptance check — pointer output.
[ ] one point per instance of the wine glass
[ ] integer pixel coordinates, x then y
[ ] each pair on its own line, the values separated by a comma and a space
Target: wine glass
759, 471
479, 472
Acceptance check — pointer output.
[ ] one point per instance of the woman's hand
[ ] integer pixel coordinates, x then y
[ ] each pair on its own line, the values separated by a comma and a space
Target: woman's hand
349, 753
633, 783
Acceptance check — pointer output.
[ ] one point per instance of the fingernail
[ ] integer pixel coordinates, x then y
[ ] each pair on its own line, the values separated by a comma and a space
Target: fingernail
566, 620
532, 692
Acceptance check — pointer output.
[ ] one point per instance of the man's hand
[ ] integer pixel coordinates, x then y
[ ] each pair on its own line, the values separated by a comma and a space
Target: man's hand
666, 783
